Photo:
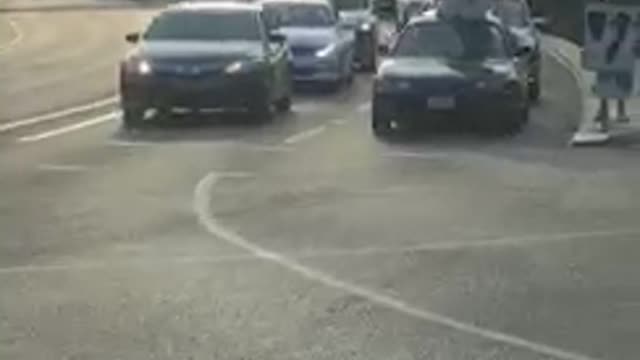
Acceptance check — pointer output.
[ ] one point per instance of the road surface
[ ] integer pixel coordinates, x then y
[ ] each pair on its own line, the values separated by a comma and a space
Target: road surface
304, 238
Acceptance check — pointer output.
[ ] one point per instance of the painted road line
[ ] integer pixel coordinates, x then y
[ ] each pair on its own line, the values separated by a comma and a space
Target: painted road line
62, 168
241, 145
305, 135
17, 37
338, 122
364, 107
57, 114
70, 128
202, 207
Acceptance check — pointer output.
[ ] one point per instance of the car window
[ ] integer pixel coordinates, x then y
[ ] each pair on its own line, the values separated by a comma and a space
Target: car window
455, 40
513, 12
305, 15
243, 26
351, 4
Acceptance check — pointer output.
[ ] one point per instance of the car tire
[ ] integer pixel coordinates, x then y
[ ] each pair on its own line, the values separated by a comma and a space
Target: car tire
381, 127
535, 90
284, 105
514, 123
132, 117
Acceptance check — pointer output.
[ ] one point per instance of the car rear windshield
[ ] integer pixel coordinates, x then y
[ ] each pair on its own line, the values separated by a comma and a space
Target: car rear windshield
462, 40
298, 15
189, 25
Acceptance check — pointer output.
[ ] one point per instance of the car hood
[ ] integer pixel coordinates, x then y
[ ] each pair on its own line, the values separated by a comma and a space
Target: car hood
309, 37
432, 68
198, 50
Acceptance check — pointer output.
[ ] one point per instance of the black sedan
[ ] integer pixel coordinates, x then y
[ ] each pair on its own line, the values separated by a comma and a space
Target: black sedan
443, 70
211, 56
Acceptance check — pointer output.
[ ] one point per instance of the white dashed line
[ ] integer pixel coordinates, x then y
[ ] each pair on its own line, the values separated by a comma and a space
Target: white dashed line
305, 135
17, 37
202, 207
338, 121
200, 143
70, 128
62, 168
57, 115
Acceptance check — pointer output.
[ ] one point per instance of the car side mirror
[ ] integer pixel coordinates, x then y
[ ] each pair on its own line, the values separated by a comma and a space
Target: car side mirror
540, 22
132, 38
523, 51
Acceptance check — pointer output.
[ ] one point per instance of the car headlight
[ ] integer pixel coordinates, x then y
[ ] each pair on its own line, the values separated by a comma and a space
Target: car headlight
326, 51
390, 84
234, 67
144, 68
366, 27
138, 67
241, 66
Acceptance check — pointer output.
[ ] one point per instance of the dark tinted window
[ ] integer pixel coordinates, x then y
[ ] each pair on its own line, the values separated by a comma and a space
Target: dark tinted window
455, 40
303, 15
188, 25
351, 4
513, 12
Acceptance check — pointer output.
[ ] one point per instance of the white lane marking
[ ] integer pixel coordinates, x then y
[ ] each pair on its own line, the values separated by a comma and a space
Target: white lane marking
515, 241
417, 155
305, 135
321, 253
70, 128
338, 121
200, 143
17, 37
112, 265
364, 107
202, 197
62, 168
57, 114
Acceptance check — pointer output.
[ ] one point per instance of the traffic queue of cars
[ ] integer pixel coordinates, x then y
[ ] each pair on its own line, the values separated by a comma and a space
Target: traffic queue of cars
247, 56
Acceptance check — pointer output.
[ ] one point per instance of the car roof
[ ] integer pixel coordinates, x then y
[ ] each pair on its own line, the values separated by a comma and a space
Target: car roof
435, 16
214, 6
311, 2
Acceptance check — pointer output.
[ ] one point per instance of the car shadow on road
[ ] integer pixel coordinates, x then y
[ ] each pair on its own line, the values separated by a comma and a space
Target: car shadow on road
215, 127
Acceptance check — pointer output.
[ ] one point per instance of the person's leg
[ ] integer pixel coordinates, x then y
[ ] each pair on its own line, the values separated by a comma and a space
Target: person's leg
602, 118
622, 111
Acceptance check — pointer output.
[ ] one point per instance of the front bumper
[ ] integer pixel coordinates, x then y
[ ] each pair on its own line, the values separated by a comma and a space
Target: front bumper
218, 91
314, 69
414, 109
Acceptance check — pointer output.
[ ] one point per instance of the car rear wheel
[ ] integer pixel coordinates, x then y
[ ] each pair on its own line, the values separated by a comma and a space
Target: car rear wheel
535, 90
132, 116
382, 128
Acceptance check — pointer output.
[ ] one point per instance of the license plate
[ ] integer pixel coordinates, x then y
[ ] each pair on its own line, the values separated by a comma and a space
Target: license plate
441, 103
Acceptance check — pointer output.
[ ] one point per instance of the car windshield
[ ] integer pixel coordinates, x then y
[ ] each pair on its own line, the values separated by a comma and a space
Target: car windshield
189, 25
455, 40
298, 15
351, 4
513, 13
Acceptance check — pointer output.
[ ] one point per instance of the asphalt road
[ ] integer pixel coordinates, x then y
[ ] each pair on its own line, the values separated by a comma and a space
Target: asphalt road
304, 238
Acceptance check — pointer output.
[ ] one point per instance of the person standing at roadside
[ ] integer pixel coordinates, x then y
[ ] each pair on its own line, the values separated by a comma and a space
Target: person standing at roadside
621, 79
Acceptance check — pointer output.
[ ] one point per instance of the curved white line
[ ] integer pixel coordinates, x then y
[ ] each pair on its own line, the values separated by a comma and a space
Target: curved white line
57, 114
17, 37
205, 216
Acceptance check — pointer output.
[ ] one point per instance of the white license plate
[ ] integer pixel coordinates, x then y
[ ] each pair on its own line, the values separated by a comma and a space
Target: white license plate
441, 103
